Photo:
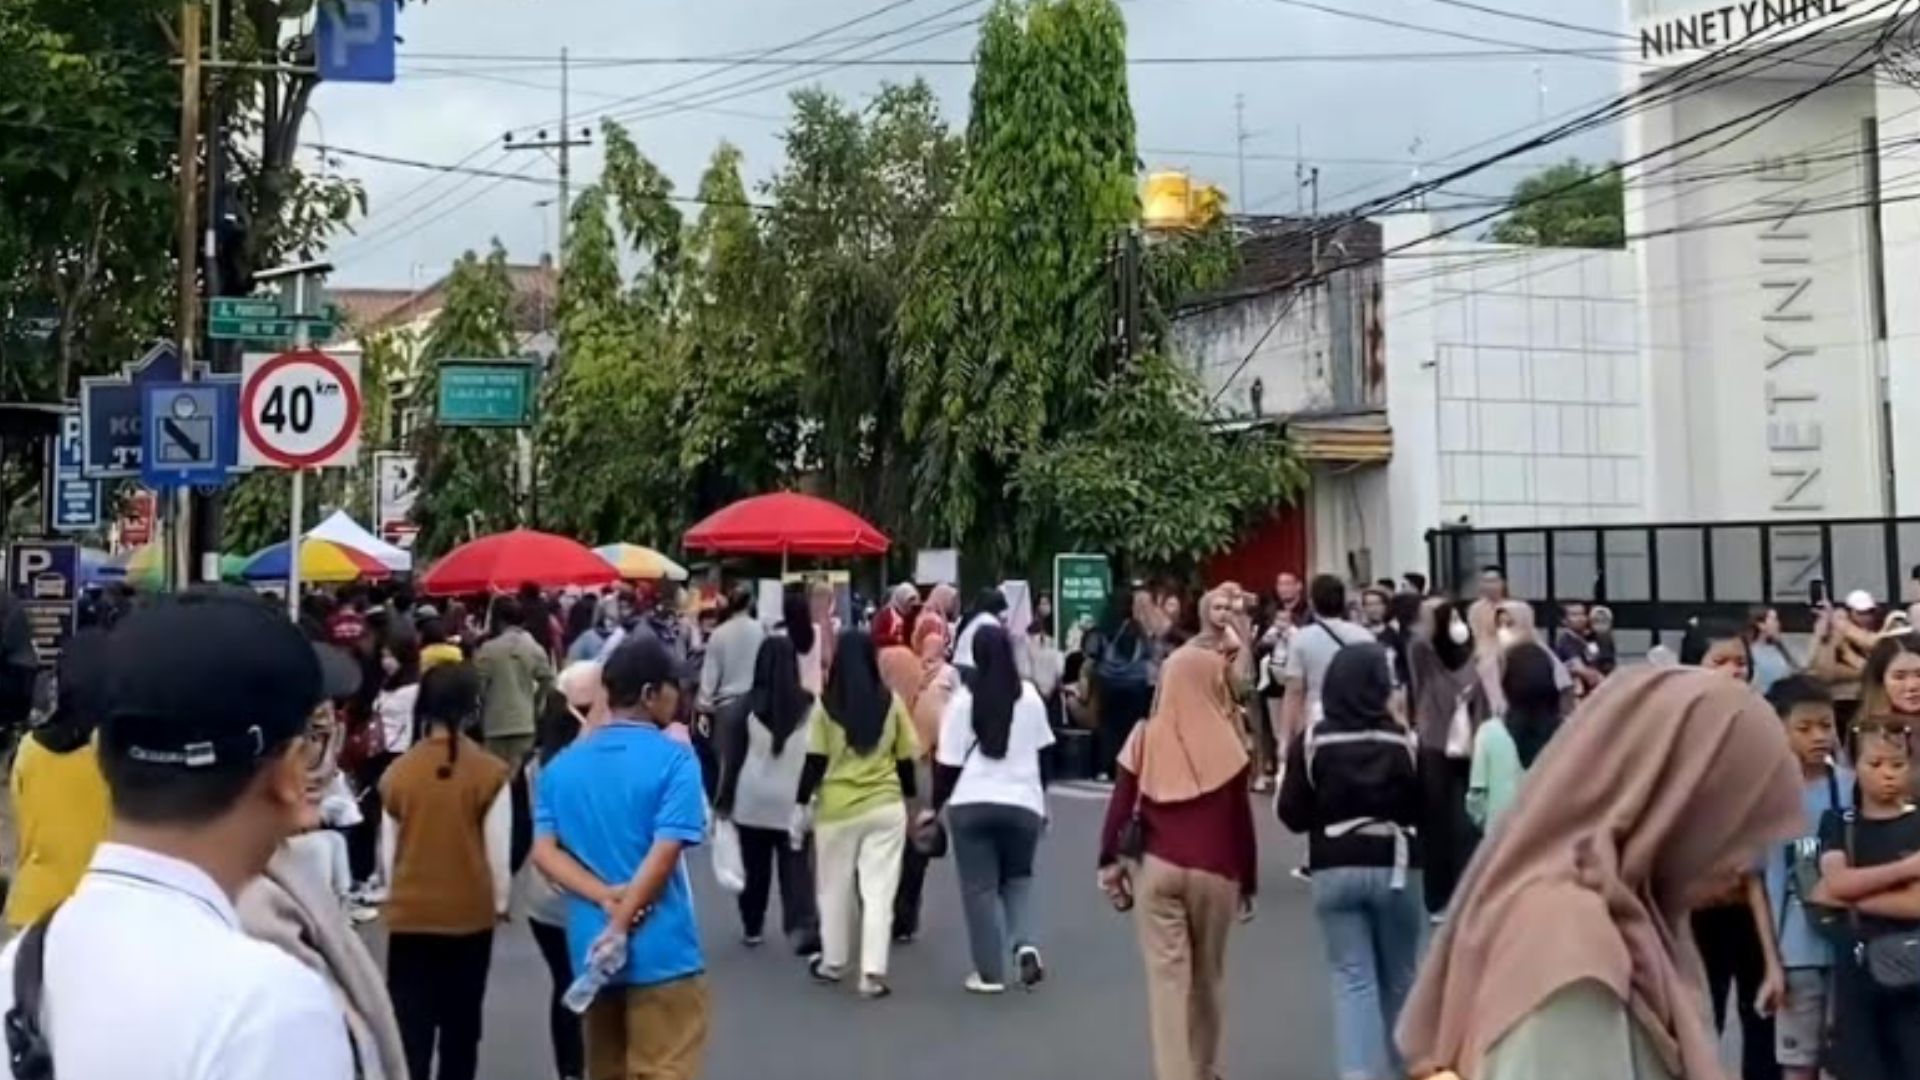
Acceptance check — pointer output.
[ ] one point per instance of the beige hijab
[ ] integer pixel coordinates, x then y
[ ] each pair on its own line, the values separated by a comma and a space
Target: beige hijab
1191, 745
1662, 779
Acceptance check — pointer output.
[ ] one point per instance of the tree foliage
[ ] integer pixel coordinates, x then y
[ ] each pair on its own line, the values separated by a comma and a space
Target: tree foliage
1572, 204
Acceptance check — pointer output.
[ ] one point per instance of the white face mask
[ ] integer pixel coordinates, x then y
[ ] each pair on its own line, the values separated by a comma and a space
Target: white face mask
1457, 631
1507, 636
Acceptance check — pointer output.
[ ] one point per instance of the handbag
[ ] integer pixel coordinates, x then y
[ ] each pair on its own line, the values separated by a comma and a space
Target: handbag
1117, 672
1892, 961
1460, 728
929, 837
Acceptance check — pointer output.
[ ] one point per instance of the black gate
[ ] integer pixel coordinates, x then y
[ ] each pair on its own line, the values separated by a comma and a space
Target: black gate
1656, 577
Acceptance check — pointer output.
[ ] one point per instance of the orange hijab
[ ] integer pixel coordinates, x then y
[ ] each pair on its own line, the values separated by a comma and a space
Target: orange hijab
921, 677
1661, 779
1190, 746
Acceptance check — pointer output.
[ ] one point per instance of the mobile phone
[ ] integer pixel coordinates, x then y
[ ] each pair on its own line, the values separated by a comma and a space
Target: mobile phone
1817, 593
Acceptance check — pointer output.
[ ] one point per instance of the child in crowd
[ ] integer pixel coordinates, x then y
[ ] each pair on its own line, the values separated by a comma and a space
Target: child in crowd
1805, 957
1870, 863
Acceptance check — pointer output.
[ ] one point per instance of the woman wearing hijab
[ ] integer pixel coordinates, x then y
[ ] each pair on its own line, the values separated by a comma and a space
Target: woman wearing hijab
861, 751
924, 682
1505, 748
1568, 953
1449, 704
1355, 793
1178, 849
765, 747
894, 623
987, 772
809, 654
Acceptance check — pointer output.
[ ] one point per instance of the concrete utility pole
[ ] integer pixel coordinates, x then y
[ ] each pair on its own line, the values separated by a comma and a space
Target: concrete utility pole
561, 146
178, 570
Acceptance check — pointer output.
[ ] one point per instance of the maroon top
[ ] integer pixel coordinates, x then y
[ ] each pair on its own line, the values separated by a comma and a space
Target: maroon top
1213, 832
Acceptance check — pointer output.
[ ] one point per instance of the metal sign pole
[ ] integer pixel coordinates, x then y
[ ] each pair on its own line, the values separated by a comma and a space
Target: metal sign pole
299, 475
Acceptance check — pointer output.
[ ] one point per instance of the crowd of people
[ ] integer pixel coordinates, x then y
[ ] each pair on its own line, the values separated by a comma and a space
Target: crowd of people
1516, 845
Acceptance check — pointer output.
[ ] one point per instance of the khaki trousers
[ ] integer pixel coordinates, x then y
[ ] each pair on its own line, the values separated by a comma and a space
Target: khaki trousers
648, 1032
1184, 917
857, 876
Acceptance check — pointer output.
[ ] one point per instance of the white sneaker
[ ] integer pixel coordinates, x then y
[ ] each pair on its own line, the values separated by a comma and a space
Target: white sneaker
978, 985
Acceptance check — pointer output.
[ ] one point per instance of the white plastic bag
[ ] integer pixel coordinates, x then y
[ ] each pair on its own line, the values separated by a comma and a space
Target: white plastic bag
729, 866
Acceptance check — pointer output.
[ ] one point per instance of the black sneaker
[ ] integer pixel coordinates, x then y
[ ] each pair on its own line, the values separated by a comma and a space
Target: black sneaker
1032, 971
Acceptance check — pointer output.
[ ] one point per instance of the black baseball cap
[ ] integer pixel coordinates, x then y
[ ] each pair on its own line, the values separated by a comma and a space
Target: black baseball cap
209, 678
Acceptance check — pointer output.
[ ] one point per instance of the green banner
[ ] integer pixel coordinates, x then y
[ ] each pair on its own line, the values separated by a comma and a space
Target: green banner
1081, 586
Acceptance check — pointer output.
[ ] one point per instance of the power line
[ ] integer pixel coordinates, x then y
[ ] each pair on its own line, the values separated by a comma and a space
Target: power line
1458, 35
1537, 20
1387, 56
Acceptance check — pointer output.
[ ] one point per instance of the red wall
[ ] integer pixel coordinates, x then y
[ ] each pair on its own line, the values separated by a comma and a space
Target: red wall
1263, 551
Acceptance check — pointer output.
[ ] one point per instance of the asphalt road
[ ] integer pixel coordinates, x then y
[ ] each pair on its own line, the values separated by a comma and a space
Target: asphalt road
1088, 1019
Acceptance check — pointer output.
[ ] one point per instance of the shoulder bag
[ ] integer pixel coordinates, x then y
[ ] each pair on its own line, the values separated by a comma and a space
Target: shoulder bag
28, 1054
1892, 961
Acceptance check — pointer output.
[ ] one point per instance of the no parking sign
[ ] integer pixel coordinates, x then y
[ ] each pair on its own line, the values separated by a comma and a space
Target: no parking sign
300, 410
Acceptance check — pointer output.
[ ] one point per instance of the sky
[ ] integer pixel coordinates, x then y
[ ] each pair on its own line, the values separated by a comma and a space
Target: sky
473, 70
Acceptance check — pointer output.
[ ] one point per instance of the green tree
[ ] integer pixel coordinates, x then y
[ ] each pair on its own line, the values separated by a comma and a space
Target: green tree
1572, 204
467, 477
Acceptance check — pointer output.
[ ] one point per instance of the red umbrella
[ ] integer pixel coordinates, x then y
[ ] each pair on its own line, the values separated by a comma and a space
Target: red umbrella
509, 560
786, 523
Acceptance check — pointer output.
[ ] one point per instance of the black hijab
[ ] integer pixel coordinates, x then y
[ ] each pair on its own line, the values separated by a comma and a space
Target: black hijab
1533, 699
777, 697
1358, 686
797, 617
857, 698
79, 693
995, 682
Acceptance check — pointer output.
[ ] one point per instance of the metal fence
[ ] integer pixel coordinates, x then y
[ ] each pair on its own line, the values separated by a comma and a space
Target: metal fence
1656, 577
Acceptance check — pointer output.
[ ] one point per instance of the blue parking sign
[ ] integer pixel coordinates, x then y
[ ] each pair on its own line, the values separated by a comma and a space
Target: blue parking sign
73, 501
45, 578
354, 41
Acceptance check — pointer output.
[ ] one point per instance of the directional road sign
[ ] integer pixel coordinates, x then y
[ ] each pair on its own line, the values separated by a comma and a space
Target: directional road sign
110, 413
355, 41
73, 501
182, 424
276, 330
486, 393
44, 576
300, 410
243, 307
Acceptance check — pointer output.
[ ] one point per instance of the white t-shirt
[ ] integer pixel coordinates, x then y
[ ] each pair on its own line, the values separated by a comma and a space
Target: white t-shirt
1311, 653
149, 975
1010, 781
395, 709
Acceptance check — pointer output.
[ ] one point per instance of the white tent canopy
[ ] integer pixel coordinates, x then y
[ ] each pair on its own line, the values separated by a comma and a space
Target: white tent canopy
342, 529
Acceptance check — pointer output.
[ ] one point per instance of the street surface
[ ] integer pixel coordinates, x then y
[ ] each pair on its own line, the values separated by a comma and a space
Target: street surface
1087, 1020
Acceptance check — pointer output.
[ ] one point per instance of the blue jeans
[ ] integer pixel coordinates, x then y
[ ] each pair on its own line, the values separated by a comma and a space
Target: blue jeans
1373, 936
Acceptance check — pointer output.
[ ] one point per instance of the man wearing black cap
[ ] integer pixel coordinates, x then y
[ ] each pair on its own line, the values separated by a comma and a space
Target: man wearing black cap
145, 970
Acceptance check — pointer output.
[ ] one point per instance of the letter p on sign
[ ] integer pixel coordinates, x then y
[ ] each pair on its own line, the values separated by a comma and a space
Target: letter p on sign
356, 42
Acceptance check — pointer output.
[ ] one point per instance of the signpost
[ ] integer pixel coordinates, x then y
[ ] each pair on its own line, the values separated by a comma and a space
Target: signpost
486, 393
1082, 585
181, 424
355, 41
396, 479
44, 576
111, 409
299, 410
73, 501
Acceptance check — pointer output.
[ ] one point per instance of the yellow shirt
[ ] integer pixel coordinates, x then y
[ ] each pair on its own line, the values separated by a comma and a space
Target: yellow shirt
855, 782
444, 653
61, 808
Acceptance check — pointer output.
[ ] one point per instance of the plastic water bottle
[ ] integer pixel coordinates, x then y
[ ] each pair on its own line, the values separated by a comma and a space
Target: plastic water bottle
604, 961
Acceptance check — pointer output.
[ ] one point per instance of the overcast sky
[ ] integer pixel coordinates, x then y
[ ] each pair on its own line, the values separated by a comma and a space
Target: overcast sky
472, 70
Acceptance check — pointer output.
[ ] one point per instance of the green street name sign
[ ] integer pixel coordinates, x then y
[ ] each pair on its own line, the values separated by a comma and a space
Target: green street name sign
237, 308
486, 393
276, 330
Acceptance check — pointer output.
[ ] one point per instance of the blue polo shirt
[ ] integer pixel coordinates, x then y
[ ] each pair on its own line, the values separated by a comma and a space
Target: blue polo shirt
1800, 945
605, 800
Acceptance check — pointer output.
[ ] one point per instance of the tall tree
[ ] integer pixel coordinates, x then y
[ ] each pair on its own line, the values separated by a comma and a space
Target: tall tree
1572, 204
467, 480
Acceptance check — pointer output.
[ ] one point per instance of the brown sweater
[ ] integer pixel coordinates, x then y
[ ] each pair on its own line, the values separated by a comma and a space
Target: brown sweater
441, 881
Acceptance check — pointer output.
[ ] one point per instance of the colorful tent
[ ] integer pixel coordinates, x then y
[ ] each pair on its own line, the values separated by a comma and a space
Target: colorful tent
506, 561
321, 561
342, 529
637, 563
787, 523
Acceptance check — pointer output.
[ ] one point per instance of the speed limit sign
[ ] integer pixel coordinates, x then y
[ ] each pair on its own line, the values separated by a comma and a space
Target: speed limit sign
300, 410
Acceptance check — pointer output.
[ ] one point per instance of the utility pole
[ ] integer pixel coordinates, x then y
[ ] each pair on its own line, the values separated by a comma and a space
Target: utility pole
1240, 146
561, 147
179, 551
1299, 171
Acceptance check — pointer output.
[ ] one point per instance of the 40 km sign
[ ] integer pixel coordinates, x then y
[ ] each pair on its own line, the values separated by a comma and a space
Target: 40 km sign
300, 410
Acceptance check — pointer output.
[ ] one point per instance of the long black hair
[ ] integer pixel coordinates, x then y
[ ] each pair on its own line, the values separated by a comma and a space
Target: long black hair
857, 698
583, 616
777, 697
449, 698
1452, 655
405, 649
798, 619
1533, 699
995, 682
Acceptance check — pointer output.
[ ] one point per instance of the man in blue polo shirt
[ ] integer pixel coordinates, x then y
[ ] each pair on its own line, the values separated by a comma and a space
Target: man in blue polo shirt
612, 815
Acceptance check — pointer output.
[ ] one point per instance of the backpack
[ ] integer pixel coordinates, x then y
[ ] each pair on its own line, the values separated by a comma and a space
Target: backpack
1130, 672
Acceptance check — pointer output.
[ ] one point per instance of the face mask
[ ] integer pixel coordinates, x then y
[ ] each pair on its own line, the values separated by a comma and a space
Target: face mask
1507, 636
389, 665
1458, 633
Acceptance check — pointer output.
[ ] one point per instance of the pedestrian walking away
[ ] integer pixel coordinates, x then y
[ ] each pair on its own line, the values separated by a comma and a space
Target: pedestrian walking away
764, 742
202, 750
1565, 953
1505, 747
1177, 849
920, 676
861, 751
584, 710
447, 833
614, 813
1353, 788
987, 775
515, 674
